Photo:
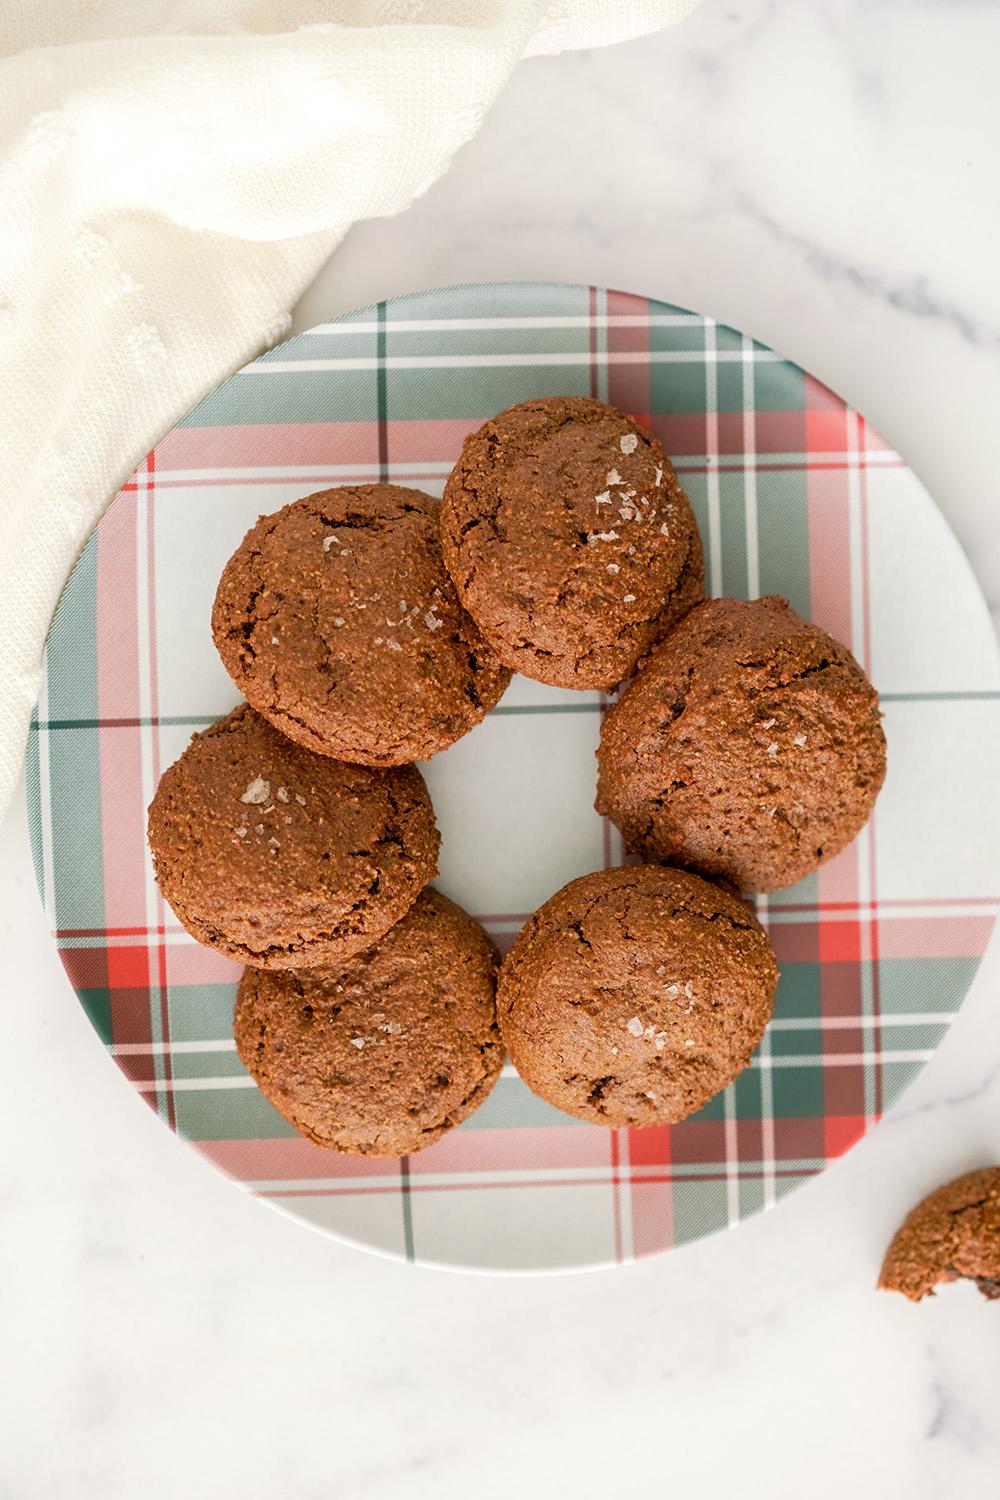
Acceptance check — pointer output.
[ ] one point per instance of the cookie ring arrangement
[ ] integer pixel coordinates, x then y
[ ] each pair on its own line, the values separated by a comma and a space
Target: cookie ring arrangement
367, 627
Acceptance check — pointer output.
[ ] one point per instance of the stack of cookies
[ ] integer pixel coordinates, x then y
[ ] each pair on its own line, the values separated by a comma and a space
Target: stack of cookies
369, 627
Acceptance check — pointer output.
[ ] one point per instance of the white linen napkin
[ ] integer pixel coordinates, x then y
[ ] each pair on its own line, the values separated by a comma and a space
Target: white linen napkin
172, 176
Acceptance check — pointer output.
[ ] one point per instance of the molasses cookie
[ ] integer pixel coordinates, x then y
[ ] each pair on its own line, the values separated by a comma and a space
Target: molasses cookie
382, 1054
954, 1232
281, 858
750, 746
634, 995
570, 541
337, 619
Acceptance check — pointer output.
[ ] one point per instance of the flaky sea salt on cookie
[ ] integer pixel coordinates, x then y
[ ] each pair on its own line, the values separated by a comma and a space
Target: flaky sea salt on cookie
337, 619
750, 745
570, 541
382, 1055
281, 858
634, 995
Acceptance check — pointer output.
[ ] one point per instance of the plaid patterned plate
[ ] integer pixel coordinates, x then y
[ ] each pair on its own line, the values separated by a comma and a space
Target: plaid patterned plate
794, 494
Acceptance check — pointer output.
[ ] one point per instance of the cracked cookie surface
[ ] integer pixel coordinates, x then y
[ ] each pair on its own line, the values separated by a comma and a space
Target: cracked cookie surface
382, 1055
337, 619
281, 858
634, 995
569, 540
951, 1234
750, 745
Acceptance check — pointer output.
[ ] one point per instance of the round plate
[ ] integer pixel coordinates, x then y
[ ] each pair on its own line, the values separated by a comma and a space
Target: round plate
795, 494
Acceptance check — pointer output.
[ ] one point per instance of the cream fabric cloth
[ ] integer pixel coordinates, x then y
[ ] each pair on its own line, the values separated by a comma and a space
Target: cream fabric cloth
172, 175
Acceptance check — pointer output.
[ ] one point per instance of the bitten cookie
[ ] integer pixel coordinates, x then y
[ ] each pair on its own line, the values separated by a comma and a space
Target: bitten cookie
954, 1232
570, 541
634, 995
750, 746
337, 620
282, 858
382, 1055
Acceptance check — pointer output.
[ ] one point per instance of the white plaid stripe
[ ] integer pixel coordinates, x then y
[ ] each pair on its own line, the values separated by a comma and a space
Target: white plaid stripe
499, 361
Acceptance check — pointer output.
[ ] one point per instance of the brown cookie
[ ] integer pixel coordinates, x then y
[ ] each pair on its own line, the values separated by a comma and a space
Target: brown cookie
954, 1232
634, 995
282, 858
750, 745
570, 541
337, 619
382, 1055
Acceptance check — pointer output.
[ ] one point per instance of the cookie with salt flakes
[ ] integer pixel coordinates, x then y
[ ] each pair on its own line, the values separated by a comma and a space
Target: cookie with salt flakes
635, 995
285, 859
381, 1055
570, 540
750, 746
337, 620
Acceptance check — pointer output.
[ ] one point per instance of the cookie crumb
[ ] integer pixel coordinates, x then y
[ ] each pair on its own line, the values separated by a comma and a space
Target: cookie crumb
952, 1234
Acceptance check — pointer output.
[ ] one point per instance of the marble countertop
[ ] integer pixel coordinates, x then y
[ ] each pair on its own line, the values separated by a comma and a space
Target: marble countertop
822, 175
